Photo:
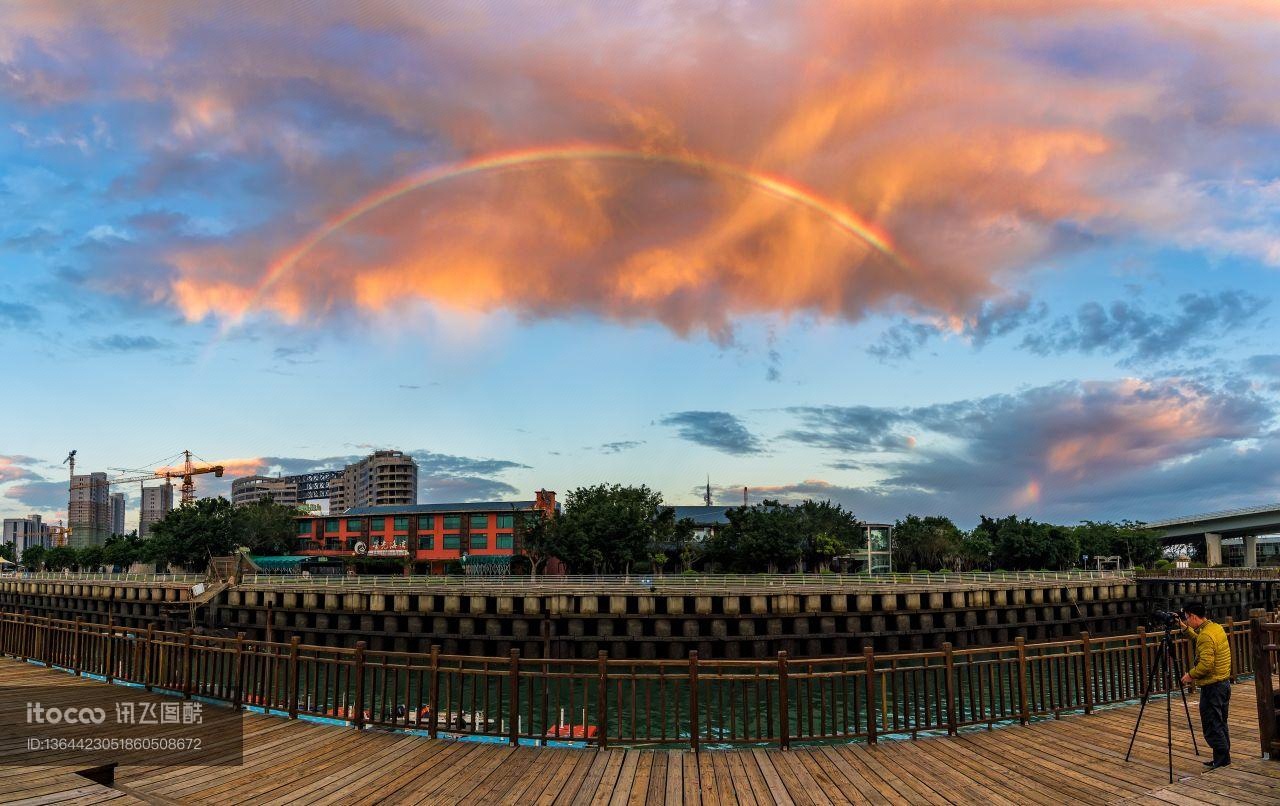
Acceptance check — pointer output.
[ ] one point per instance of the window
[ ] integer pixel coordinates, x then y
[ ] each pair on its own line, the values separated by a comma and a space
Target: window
402, 541
479, 541
355, 525
304, 527
453, 521
401, 524
426, 521
479, 521
453, 541
506, 541
506, 521
333, 544
377, 524
301, 544
351, 543
426, 542
331, 525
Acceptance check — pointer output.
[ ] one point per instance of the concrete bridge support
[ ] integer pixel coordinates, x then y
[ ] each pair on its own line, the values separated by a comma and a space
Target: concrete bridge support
1250, 551
1212, 549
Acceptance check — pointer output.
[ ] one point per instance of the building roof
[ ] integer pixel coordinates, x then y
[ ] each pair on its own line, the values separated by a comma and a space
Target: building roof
423, 509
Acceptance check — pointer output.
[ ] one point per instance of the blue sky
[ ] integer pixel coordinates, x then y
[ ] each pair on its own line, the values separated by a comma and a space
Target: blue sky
1076, 322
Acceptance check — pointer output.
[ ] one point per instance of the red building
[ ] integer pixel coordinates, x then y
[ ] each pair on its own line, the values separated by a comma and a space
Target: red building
429, 535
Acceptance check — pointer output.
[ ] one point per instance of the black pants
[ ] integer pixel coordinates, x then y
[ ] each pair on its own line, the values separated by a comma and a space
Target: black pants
1215, 699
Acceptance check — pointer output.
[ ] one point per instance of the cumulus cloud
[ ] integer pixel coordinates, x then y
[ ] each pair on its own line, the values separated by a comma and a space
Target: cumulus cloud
1051, 448
974, 140
122, 343
719, 430
46, 495
15, 468
18, 314
1140, 335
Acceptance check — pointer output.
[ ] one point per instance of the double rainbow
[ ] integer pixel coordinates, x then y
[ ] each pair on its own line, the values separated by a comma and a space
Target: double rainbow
774, 185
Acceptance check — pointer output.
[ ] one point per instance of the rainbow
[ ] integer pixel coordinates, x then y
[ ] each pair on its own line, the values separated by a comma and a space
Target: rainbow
774, 185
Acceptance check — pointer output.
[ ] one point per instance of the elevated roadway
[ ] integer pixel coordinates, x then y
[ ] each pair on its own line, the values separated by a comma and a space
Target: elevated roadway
1211, 527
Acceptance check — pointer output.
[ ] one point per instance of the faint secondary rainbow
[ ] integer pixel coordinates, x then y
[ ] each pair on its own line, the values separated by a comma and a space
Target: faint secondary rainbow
775, 185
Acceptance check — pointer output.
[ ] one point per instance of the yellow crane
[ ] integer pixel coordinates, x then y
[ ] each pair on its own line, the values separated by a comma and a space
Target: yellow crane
187, 471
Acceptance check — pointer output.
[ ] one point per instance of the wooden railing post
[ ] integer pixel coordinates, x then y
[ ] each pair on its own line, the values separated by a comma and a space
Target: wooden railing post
602, 700
948, 654
1086, 652
147, 656
291, 685
358, 670
1142, 661
186, 663
1024, 715
1262, 672
76, 650
869, 664
693, 700
434, 702
513, 712
41, 627
237, 695
108, 652
784, 708
1231, 623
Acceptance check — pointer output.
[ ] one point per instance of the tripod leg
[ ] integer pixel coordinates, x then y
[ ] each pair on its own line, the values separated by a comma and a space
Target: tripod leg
1146, 695
1168, 709
1177, 671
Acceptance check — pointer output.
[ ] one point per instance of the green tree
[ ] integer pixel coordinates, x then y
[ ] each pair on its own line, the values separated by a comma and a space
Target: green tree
535, 536
607, 528
683, 543
761, 537
33, 557
9, 551
1127, 540
60, 558
267, 527
825, 530
90, 558
930, 543
122, 551
189, 535
1029, 545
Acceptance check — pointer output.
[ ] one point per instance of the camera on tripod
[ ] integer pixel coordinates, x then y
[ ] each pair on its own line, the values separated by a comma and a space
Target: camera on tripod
1168, 619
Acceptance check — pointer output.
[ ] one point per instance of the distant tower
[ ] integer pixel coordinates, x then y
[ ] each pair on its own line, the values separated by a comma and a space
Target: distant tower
744, 496
706, 498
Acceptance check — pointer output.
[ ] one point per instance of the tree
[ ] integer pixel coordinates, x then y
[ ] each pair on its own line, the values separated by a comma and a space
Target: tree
825, 530
1127, 540
1028, 545
761, 537
192, 533
9, 551
535, 536
608, 527
90, 558
929, 543
33, 557
122, 551
267, 527
60, 558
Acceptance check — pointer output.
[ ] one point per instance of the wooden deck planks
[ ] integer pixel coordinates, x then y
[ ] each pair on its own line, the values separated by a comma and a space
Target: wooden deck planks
1075, 758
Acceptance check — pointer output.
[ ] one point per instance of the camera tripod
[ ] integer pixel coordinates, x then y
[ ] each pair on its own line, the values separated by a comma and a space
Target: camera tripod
1166, 661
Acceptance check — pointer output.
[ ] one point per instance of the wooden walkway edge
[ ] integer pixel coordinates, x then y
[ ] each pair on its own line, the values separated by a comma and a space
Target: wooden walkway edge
1076, 758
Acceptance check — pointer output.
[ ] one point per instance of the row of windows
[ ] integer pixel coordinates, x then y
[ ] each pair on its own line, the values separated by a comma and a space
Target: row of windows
504, 540
401, 523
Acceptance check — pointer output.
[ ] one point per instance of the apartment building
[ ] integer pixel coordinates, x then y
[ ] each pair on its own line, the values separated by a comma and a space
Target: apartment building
156, 503
89, 510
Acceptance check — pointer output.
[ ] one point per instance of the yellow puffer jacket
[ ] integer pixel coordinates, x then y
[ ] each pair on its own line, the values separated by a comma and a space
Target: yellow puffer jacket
1213, 654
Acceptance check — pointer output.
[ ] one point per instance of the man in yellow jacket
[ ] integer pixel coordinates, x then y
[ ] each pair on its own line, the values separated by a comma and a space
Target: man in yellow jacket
1212, 673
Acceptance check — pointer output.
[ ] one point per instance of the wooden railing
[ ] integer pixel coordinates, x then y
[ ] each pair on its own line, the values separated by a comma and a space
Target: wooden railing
1217, 572
1265, 640
693, 702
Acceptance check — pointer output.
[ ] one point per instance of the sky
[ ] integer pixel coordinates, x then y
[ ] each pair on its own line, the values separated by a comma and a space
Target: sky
992, 257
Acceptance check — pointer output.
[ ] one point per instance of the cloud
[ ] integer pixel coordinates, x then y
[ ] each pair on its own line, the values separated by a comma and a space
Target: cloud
1264, 365
1139, 335
449, 489
16, 468
714, 429
18, 314
39, 494
977, 141
619, 447
121, 343
991, 319
1050, 449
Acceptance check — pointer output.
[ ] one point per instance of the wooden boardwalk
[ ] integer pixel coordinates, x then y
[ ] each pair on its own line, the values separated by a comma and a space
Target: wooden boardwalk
1073, 759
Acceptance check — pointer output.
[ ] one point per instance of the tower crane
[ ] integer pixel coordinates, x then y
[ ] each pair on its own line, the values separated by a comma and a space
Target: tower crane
187, 471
